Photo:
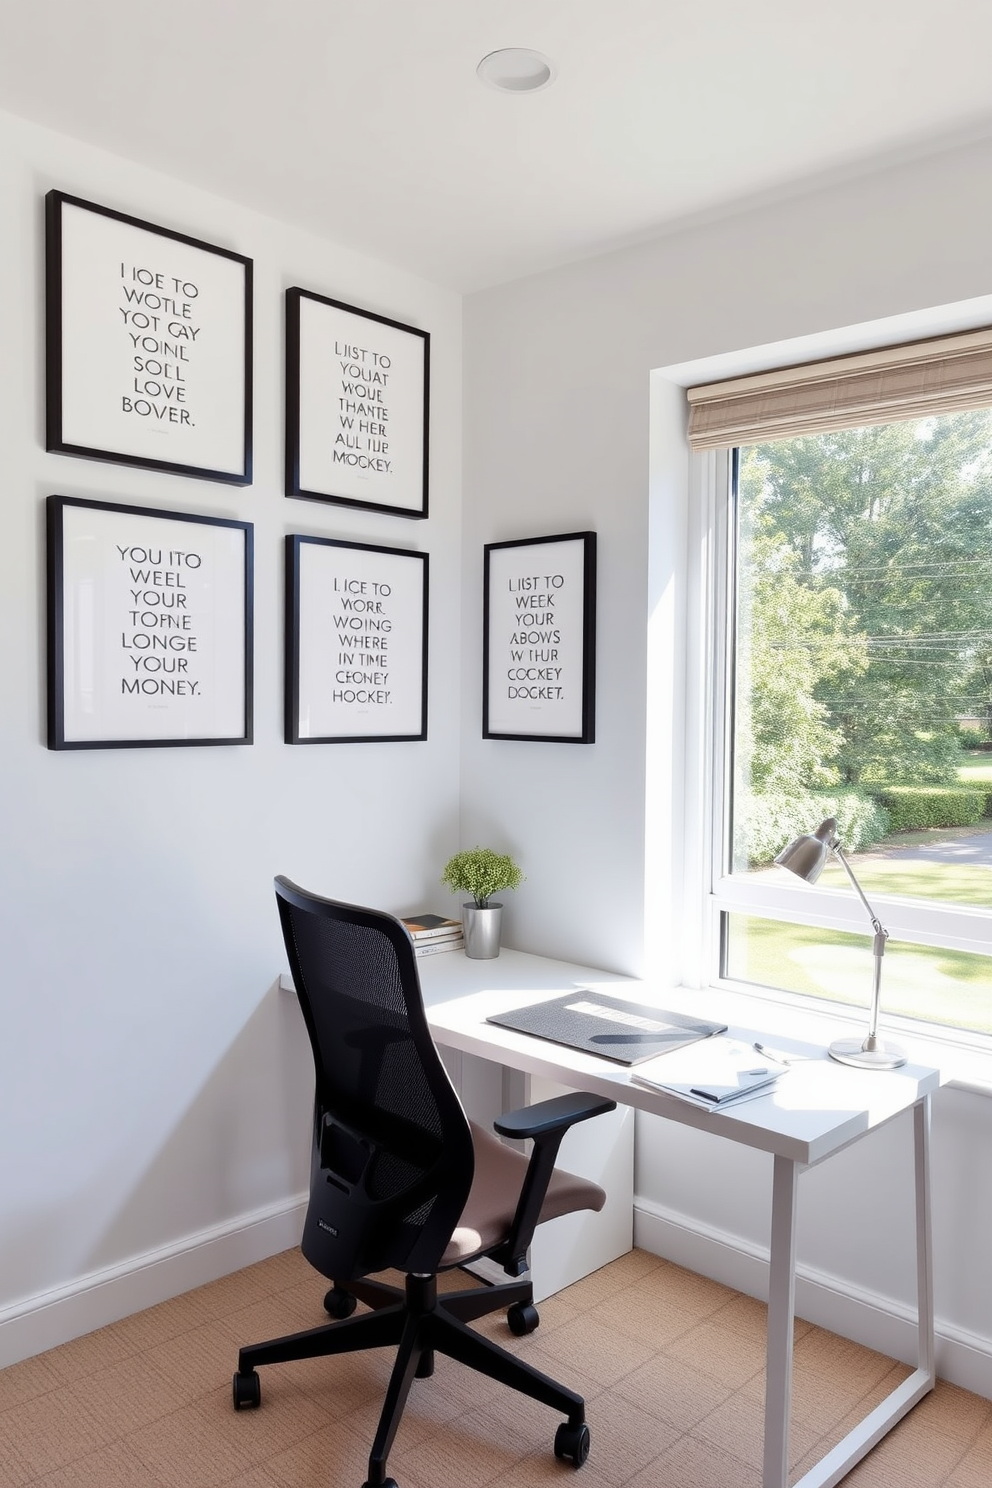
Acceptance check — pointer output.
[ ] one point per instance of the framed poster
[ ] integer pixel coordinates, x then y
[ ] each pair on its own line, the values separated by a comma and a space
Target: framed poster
148, 344
539, 639
357, 406
149, 627
356, 642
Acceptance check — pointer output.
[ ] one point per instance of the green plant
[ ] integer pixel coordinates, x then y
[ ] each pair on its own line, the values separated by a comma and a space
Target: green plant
915, 807
481, 872
766, 821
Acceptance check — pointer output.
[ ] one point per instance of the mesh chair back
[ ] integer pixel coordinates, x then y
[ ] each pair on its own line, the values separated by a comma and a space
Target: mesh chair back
392, 1156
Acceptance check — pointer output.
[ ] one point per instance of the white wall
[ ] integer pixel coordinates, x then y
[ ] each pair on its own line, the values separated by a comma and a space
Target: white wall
154, 1084
557, 372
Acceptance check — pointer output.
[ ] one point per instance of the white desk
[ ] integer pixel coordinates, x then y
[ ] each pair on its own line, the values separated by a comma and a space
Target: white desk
817, 1110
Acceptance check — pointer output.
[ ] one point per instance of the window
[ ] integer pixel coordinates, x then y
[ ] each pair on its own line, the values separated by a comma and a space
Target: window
854, 679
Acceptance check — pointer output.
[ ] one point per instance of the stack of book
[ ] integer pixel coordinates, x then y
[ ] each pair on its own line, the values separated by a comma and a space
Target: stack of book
433, 933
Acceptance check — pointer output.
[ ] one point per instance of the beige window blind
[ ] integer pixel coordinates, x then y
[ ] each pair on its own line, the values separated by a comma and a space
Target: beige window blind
943, 375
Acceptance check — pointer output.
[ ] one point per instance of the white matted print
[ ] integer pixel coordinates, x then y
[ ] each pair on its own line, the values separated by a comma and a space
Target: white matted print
356, 642
539, 639
149, 344
357, 414
149, 627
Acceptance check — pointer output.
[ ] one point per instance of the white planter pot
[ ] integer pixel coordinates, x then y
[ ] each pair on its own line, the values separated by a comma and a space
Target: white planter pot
481, 928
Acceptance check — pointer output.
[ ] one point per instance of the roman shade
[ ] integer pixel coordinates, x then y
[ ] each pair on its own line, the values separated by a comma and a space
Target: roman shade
917, 380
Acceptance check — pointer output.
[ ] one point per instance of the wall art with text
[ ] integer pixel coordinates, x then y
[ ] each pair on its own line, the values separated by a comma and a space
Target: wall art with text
356, 642
539, 639
357, 406
149, 337
149, 627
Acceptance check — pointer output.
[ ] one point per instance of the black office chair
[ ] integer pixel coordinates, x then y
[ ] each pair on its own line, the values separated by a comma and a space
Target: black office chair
401, 1179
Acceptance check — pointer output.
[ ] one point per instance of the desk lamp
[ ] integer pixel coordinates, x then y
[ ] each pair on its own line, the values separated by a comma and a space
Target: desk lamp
806, 858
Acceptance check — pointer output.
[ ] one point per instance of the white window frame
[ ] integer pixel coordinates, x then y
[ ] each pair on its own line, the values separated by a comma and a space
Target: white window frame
711, 541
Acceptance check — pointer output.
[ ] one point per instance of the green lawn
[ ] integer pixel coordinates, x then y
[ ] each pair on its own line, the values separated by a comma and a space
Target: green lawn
936, 985
980, 767
957, 883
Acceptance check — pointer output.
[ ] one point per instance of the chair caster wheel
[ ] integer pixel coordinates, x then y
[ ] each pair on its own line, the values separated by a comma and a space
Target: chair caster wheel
339, 1303
247, 1391
572, 1443
522, 1318
386, 1483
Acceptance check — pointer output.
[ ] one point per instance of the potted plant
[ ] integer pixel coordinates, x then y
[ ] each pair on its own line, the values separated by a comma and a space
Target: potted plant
482, 873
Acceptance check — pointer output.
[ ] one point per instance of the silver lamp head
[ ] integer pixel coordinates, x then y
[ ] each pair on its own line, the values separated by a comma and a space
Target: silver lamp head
806, 857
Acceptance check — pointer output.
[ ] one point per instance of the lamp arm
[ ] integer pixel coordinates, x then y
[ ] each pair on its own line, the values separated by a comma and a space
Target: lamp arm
881, 936
876, 926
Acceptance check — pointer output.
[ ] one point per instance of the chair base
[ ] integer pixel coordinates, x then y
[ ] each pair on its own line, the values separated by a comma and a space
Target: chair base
419, 1323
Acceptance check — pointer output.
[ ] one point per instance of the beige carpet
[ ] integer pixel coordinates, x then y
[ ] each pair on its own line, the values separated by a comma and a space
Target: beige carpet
671, 1366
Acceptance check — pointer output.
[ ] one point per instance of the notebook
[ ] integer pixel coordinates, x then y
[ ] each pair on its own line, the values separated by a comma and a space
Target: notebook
715, 1075
611, 1027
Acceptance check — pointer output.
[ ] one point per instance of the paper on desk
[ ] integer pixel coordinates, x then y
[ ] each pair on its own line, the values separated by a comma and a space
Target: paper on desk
714, 1073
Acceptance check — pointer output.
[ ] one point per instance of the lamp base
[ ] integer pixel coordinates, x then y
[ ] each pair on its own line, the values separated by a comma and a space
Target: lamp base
867, 1053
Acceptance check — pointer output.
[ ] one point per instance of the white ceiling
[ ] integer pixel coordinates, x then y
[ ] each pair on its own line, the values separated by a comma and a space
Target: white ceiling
364, 121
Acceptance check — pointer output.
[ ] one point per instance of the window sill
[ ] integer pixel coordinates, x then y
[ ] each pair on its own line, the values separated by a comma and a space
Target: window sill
965, 1061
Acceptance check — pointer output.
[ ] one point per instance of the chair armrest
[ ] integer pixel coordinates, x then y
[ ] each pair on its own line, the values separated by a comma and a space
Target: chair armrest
558, 1113
546, 1122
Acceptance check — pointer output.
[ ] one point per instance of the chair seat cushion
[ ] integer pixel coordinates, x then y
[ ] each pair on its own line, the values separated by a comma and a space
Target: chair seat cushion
488, 1214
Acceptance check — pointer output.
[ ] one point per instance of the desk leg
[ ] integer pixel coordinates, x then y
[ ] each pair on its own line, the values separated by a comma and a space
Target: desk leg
781, 1313
838, 1462
924, 1240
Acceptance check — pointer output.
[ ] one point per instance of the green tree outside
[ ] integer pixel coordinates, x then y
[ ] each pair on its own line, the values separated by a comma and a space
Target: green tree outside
865, 606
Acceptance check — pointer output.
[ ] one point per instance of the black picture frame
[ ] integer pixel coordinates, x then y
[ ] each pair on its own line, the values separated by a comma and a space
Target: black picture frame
148, 344
357, 407
356, 642
539, 679
150, 631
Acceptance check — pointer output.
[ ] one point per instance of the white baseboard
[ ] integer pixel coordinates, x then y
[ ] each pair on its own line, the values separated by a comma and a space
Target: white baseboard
42, 1322
876, 1321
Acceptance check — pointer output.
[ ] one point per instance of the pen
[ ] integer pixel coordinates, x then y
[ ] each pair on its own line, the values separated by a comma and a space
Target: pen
777, 1054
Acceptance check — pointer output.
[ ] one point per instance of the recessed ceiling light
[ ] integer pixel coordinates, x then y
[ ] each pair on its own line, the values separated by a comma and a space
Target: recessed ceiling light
516, 70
